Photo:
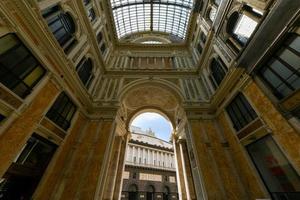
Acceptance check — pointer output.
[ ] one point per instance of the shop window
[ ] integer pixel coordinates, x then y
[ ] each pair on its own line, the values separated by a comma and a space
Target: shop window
240, 112
242, 24
85, 71
62, 26
23, 176
218, 71
277, 173
62, 111
19, 70
282, 71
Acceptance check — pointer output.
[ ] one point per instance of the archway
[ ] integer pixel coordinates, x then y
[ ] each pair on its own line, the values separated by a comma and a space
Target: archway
166, 193
150, 192
133, 192
166, 100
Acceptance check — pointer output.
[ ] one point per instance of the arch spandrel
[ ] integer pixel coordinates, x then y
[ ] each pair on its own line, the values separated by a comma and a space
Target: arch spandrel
154, 96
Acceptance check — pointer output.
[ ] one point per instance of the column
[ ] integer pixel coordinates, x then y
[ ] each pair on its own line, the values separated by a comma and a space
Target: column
121, 167
179, 172
113, 169
187, 173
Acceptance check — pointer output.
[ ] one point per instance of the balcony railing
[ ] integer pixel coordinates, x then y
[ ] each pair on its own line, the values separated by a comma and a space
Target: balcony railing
150, 166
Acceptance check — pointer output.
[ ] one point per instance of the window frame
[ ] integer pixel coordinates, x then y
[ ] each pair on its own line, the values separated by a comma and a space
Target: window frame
221, 66
232, 22
284, 45
81, 71
17, 75
56, 11
236, 112
56, 111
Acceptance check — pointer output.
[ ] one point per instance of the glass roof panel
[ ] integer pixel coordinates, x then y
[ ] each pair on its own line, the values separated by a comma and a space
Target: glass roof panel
169, 16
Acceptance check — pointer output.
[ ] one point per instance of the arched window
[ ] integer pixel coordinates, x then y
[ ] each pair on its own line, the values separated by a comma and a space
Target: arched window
133, 192
150, 192
62, 26
282, 71
218, 71
166, 193
242, 24
85, 71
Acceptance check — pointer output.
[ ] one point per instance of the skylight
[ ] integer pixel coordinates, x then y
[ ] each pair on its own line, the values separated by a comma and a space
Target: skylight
151, 42
245, 27
168, 16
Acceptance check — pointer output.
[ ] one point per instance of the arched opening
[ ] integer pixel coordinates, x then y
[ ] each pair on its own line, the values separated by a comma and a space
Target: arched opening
62, 26
152, 122
150, 192
149, 154
166, 193
133, 192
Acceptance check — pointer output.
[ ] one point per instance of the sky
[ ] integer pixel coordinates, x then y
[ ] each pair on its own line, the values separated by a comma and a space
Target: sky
160, 125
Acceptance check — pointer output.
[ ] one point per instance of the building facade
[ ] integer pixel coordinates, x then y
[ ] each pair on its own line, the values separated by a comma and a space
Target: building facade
74, 73
150, 171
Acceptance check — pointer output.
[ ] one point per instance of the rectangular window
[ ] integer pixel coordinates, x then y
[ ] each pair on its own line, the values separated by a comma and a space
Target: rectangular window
240, 112
282, 72
279, 176
62, 111
23, 176
19, 70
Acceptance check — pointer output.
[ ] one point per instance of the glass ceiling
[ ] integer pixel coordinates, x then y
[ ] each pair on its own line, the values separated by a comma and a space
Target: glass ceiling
169, 16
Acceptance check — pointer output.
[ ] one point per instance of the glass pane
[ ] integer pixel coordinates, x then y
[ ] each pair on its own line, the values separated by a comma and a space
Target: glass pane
274, 168
291, 58
35, 75
7, 42
169, 16
244, 27
280, 69
295, 44
271, 78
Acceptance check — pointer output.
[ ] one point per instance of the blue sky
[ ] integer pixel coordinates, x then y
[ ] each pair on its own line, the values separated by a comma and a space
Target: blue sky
156, 122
